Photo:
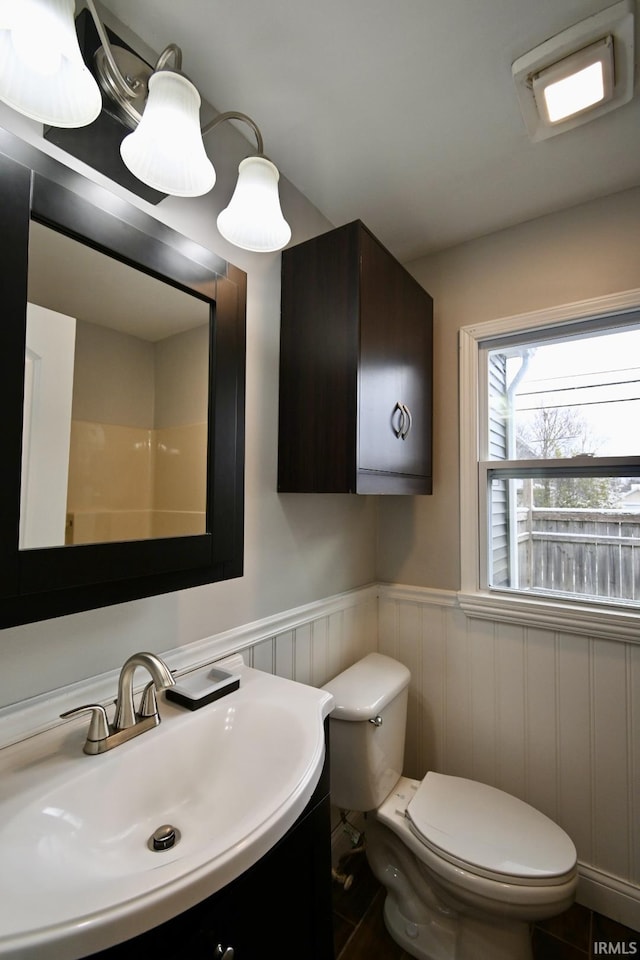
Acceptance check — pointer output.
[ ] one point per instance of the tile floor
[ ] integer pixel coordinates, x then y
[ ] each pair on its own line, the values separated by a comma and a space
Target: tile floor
360, 933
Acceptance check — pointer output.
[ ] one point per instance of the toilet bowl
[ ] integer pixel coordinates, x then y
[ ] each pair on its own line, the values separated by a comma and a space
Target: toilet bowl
466, 867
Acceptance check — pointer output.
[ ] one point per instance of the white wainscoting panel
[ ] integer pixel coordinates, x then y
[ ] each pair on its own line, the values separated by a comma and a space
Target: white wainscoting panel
317, 649
551, 717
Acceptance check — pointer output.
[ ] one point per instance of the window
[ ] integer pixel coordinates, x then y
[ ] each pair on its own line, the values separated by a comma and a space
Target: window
550, 457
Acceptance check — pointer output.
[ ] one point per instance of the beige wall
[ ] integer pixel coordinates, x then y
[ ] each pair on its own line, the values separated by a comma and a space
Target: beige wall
136, 404
105, 358
181, 378
585, 252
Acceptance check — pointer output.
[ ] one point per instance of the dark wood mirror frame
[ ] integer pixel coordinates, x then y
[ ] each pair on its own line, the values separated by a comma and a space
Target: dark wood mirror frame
42, 583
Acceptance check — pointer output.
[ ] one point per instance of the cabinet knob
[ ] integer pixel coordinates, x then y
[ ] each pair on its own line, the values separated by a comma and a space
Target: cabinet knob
223, 953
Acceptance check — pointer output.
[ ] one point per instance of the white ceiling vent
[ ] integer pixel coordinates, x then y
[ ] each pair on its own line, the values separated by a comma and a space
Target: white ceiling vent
579, 74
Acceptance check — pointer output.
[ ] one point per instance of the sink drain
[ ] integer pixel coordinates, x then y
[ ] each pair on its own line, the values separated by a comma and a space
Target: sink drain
164, 838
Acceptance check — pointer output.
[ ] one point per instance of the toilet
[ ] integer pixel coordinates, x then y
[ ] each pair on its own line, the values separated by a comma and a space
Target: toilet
466, 867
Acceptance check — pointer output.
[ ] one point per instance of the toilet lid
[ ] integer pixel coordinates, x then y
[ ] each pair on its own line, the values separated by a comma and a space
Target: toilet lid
489, 832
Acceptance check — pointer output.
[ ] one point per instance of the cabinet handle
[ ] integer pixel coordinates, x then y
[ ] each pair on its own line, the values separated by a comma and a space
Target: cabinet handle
223, 953
399, 408
405, 433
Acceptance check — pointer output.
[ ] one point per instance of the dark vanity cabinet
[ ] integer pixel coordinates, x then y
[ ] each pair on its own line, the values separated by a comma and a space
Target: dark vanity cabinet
281, 907
356, 358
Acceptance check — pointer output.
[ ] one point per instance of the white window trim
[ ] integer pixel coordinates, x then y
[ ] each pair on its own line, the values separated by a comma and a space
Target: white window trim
591, 619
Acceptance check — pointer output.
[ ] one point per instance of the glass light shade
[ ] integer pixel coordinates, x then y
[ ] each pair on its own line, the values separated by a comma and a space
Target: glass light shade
42, 73
253, 220
165, 150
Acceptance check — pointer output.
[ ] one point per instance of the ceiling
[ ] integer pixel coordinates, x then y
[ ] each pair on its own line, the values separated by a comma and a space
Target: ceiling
401, 113
75, 279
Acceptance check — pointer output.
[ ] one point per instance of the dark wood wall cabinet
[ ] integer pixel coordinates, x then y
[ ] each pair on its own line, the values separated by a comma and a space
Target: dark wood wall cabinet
356, 361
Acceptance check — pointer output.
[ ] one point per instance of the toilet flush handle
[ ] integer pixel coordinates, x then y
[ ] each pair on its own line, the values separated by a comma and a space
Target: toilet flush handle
376, 721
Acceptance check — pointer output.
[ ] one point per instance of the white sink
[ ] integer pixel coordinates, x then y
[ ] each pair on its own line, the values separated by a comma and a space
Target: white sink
78, 874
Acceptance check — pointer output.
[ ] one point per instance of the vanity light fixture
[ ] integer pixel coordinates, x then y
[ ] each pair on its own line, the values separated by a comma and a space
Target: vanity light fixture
579, 74
43, 75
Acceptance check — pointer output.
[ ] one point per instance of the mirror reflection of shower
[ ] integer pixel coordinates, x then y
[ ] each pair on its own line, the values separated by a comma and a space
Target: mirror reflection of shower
116, 401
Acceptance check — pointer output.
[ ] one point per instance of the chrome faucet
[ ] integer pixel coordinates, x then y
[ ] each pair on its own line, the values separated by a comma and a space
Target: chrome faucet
161, 677
102, 735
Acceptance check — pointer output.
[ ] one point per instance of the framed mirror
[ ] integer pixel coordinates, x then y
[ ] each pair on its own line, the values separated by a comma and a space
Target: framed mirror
115, 409
122, 352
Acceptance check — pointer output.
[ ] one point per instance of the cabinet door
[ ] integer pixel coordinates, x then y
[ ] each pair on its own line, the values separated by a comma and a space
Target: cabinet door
318, 363
394, 386
416, 388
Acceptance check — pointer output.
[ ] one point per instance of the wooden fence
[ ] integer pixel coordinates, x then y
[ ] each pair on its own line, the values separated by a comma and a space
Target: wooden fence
587, 552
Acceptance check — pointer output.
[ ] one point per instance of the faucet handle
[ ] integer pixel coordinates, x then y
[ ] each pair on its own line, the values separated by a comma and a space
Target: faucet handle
99, 723
149, 701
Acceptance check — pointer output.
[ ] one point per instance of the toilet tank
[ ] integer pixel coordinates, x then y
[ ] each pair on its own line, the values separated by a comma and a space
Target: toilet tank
367, 757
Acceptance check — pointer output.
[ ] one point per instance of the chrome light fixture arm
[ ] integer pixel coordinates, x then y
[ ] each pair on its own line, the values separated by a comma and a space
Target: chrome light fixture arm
234, 115
172, 50
123, 76
123, 86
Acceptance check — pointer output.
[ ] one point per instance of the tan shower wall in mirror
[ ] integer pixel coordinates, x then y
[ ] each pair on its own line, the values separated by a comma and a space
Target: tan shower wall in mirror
138, 431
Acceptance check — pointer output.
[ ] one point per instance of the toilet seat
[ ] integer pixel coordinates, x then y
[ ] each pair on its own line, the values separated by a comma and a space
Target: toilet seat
489, 833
